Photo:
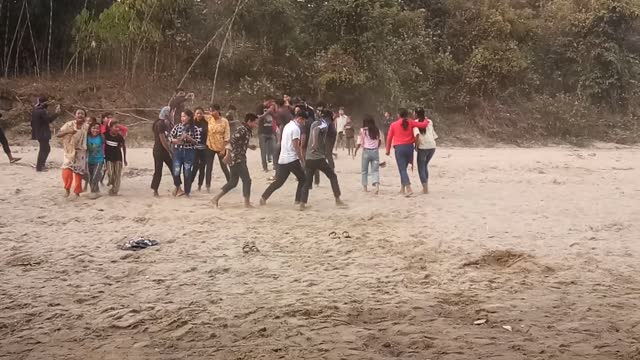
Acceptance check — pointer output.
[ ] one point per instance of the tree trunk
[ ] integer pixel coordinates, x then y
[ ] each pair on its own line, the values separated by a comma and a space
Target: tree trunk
33, 42
50, 31
155, 62
70, 63
76, 72
224, 42
1, 5
99, 60
17, 63
15, 35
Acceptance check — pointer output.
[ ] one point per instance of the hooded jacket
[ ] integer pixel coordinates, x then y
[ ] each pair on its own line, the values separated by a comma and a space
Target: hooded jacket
40, 121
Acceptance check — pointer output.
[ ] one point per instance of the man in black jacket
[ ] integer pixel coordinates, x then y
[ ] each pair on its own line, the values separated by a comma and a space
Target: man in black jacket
41, 130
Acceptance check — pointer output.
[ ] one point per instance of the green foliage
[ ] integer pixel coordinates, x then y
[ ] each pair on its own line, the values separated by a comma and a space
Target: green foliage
451, 54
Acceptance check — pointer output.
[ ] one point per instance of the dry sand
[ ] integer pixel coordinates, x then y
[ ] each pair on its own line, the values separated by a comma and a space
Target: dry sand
543, 244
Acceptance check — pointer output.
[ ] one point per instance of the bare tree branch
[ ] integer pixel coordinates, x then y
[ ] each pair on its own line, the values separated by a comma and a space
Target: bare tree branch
15, 35
224, 42
208, 45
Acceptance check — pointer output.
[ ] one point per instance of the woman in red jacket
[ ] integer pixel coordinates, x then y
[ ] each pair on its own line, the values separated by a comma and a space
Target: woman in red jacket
401, 137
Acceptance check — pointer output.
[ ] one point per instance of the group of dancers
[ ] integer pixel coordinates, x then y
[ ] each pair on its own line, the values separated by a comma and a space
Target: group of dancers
297, 138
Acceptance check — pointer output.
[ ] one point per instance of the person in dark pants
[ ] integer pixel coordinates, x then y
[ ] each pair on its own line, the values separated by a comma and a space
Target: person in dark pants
283, 117
6, 148
316, 160
218, 134
162, 153
387, 120
201, 149
40, 130
236, 157
266, 136
289, 161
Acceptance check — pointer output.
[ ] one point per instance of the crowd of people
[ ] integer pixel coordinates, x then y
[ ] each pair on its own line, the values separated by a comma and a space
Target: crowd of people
293, 136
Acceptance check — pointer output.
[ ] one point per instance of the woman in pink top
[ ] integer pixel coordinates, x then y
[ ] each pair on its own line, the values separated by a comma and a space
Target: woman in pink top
370, 140
401, 137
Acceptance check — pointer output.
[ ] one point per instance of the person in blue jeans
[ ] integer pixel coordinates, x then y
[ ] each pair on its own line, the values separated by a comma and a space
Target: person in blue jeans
426, 147
370, 140
184, 137
403, 141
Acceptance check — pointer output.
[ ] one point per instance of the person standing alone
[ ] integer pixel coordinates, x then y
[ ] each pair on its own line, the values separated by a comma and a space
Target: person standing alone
40, 130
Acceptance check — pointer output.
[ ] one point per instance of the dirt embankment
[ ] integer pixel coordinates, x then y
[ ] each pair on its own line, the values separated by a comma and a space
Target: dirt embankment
135, 105
540, 121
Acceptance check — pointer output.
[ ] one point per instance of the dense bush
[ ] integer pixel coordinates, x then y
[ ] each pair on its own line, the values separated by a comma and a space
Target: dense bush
558, 61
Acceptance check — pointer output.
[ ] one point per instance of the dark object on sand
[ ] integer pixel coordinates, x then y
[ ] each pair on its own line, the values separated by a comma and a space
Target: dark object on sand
335, 236
138, 243
249, 247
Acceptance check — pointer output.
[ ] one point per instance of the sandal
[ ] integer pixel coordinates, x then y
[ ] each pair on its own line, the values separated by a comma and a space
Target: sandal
246, 248
346, 235
334, 236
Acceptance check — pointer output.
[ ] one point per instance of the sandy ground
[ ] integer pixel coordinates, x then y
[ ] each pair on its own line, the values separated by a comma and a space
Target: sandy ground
540, 243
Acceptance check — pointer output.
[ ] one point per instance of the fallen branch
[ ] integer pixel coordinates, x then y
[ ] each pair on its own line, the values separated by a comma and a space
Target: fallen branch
134, 116
120, 109
138, 123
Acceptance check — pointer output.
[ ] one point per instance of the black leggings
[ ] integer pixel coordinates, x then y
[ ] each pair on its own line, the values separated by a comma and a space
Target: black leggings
162, 157
5, 143
209, 157
199, 167
323, 166
239, 171
282, 174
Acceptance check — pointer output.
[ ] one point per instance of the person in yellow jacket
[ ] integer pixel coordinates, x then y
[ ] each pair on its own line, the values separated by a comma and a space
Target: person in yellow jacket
218, 135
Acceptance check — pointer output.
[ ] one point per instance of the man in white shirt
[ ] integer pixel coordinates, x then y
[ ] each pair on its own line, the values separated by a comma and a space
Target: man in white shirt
290, 160
341, 122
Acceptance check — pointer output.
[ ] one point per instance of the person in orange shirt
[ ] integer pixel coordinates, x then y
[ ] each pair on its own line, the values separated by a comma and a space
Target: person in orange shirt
218, 136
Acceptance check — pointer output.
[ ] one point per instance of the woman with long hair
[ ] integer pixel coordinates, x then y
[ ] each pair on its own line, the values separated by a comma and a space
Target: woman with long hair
401, 137
199, 167
184, 137
370, 140
426, 147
